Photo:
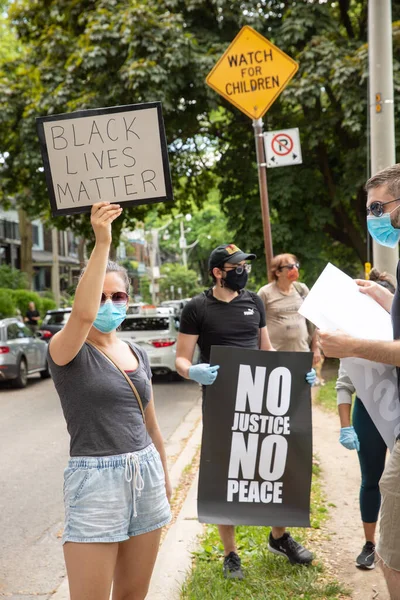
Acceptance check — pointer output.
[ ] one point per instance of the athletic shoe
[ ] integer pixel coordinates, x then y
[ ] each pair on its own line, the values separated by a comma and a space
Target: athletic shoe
366, 560
233, 566
292, 550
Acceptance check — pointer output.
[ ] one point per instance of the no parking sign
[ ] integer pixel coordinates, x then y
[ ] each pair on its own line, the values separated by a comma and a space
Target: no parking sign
282, 148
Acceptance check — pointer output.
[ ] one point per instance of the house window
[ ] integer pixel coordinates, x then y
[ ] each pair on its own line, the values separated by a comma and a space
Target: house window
35, 235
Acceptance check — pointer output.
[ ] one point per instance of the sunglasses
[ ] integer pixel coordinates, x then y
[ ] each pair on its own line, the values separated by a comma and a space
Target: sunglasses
239, 269
376, 208
290, 267
116, 298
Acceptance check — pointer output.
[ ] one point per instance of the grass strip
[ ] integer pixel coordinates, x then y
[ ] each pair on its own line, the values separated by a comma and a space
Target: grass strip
325, 396
266, 575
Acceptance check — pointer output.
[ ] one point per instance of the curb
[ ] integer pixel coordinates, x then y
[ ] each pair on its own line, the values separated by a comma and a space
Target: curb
181, 537
174, 561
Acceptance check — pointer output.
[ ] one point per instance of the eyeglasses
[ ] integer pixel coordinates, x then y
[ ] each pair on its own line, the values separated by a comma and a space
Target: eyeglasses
239, 269
116, 298
290, 267
376, 208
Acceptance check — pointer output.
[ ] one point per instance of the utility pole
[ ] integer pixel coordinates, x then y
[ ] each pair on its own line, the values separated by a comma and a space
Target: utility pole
262, 179
182, 244
55, 269
383, 154
153, 264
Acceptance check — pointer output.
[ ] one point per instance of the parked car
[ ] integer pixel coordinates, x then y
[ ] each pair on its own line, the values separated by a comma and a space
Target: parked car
175, 305
21, 353
53, 321
157, 334
134, 308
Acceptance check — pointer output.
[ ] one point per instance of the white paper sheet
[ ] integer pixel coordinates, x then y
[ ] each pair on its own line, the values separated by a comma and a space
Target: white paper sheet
335, 302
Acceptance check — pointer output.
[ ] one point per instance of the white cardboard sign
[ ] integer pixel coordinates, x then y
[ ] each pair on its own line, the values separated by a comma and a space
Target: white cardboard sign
116, 154
335, 302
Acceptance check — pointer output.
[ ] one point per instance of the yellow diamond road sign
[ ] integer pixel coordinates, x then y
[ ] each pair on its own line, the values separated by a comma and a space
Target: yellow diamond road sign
252, 73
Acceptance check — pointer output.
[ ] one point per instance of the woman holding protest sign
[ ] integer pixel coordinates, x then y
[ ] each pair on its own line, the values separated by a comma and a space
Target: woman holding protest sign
116, 485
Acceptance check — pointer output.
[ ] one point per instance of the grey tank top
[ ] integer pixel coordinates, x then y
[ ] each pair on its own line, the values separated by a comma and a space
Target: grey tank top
102, 414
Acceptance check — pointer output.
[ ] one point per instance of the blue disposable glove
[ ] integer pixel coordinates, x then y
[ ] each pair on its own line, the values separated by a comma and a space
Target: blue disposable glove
349, 439
203, 373
311, 377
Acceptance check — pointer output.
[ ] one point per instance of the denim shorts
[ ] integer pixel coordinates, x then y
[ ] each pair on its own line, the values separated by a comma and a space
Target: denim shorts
112, 498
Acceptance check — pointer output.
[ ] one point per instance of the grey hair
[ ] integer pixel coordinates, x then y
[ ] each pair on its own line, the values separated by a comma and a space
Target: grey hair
389, 177
113, 267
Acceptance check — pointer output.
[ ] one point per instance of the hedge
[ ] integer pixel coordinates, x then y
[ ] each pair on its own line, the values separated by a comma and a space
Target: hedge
12, 301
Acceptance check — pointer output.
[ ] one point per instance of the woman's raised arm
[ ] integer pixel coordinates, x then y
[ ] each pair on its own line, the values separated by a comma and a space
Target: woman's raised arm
66, 344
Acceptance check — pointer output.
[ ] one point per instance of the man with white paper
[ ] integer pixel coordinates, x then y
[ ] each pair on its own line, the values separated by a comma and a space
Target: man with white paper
383, 210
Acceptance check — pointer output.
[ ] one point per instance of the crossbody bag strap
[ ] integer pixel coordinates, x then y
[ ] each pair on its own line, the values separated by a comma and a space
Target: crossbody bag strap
133, 387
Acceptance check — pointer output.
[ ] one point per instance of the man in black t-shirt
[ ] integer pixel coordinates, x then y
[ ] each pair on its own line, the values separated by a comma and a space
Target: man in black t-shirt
383, 220
32, 317
229, 315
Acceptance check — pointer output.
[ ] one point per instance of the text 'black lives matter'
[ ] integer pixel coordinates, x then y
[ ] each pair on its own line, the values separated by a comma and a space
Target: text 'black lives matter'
116, 154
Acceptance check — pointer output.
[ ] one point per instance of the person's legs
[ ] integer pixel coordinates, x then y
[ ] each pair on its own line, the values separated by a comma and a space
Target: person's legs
281, 542
227, 535
277, 532
232, 563
90, 569
392, 578
388, 549
134, 567
372, 456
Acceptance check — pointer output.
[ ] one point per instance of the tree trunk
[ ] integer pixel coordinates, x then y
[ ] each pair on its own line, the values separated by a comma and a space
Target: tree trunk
113, 252
25, 230
81, 252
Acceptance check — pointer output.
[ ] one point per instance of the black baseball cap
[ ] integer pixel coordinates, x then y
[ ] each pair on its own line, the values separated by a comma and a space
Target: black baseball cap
228, 253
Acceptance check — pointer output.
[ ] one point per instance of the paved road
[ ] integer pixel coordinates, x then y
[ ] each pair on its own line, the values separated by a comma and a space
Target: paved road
33, 454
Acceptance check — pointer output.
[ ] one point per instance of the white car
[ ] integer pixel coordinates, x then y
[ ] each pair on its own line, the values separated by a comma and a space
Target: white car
157, 334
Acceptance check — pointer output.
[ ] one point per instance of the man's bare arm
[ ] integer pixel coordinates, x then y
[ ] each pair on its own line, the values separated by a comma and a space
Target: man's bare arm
340, 345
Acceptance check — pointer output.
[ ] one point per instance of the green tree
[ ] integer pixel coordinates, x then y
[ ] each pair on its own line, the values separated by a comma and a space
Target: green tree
86, 54
174, 274
11, 278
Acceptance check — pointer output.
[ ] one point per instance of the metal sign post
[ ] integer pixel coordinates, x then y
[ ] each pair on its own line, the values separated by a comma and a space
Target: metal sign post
251, 74
262, 181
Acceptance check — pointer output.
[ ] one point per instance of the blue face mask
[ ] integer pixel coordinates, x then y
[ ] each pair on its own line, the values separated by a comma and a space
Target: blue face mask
110, 316
382, 230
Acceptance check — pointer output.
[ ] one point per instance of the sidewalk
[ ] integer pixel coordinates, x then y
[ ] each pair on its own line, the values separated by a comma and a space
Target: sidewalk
174, 558
341, 482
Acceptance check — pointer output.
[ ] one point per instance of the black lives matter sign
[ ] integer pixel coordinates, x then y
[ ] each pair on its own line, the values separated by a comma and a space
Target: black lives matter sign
116, 154
256, 457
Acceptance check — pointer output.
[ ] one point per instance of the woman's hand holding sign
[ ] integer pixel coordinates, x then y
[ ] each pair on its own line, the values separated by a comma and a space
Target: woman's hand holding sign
102, 216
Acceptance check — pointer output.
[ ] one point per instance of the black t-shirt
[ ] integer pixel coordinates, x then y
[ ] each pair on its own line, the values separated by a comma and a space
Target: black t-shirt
30, 314
236, 323
396, 316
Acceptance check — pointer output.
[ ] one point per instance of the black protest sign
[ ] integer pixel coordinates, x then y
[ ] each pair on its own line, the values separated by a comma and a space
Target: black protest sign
116, 154
256, 456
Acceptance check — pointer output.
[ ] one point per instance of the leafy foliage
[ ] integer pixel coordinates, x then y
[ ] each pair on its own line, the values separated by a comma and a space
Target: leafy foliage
12, 278
7, 306
86, 54
181, 278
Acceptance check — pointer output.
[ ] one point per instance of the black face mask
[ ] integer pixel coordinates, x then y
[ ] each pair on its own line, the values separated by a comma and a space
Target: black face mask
235, 282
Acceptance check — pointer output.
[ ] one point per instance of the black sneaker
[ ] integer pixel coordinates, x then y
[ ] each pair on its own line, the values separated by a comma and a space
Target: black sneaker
287, 546
366, 560
233, 566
